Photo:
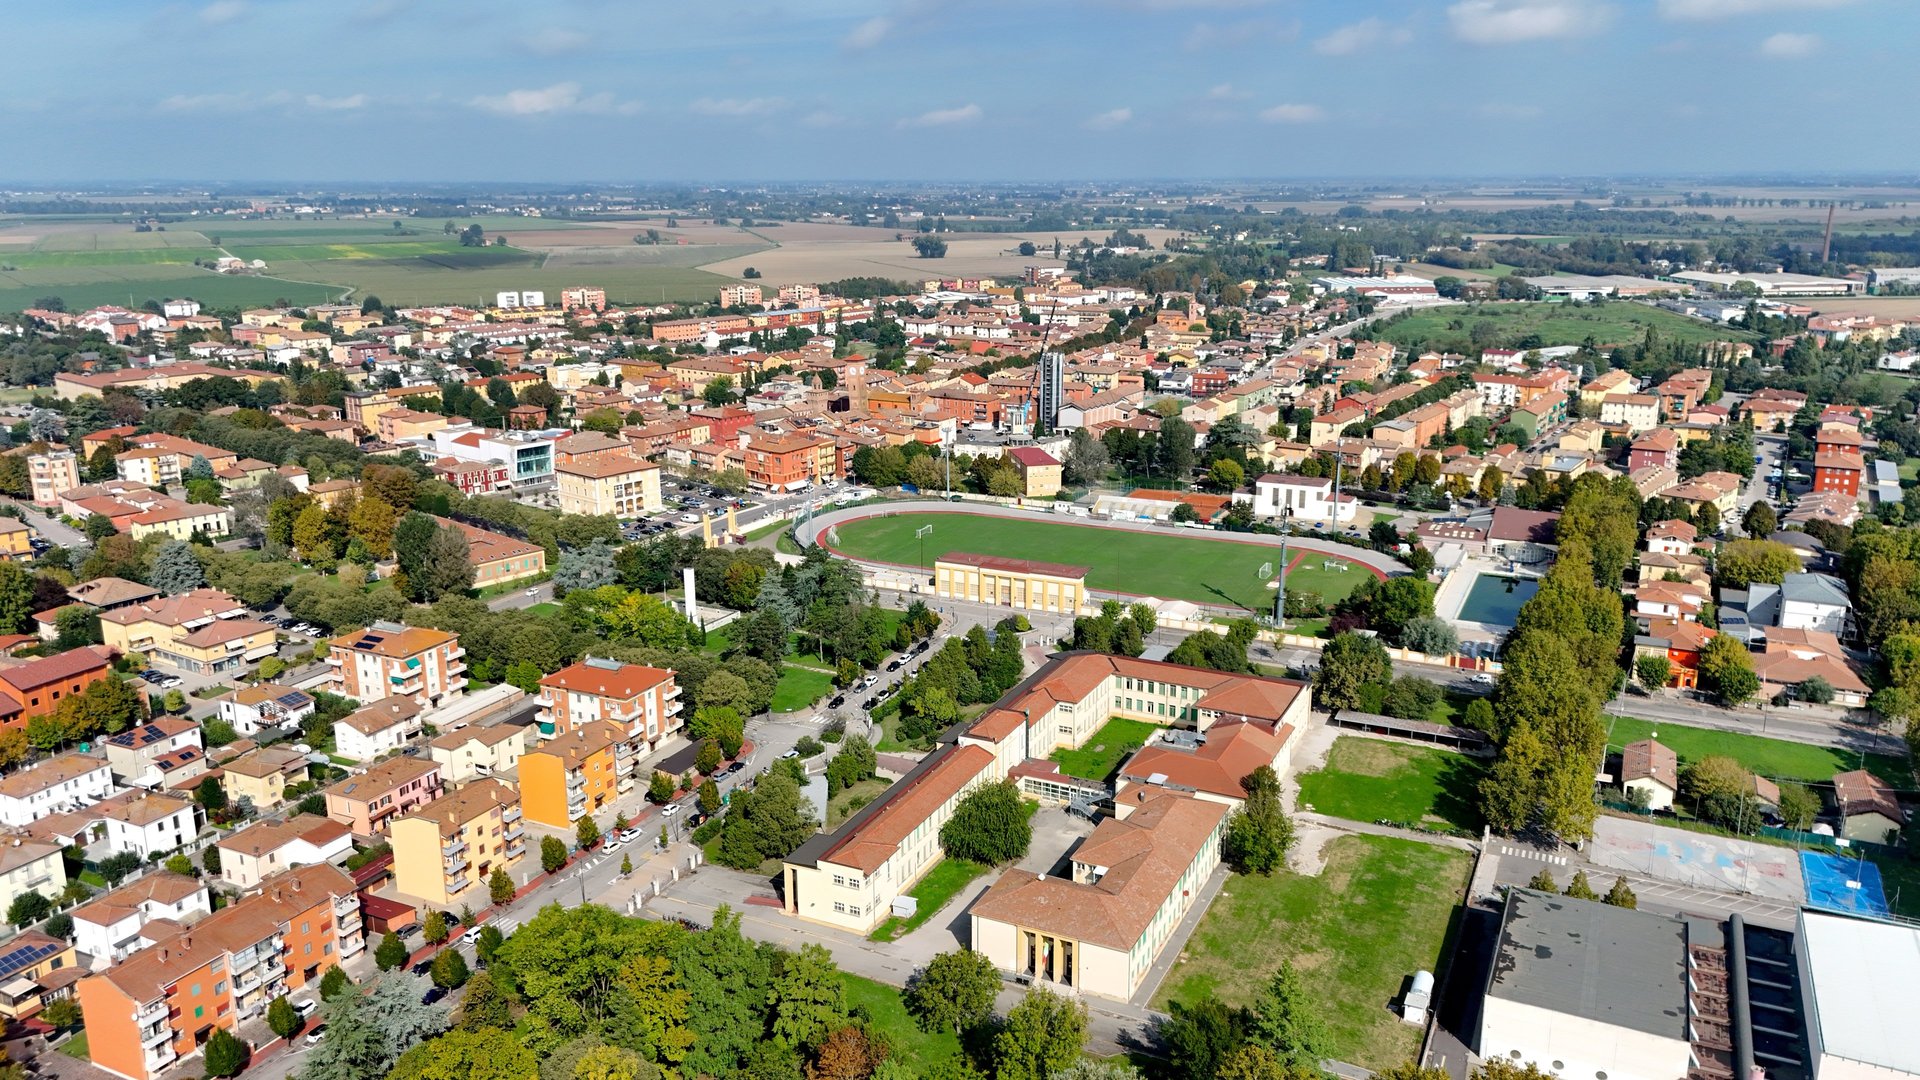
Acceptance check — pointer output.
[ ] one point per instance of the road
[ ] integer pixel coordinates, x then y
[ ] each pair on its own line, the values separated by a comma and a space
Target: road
1795, 725
47, 526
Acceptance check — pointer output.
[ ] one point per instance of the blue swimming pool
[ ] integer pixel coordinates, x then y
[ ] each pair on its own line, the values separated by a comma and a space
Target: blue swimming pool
1495, 600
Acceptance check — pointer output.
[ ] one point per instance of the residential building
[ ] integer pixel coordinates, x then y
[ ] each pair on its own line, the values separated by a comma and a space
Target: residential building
1501, 532
387, 659
161, 1004
1040, 472
263, 775
1635, 412
52, 472
444, 852
30, 865
39, 970
1679, 640
488, 750
1659, 447
263, 706
37, 686
497, 558
134, 754
1304, 498
619, 484
56, 785
642, 701
377, 729
1869, 808
180, 520
369, 801
115, 925
1653, 768
576, 774
1018, 583
266, 848
109, 593
203, 631
1837, 472
16, 539
1792, 658
783, 463
1100, 929
1672, 537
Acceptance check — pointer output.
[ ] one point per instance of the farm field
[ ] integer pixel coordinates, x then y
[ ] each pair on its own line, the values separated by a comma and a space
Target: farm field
1554, 324
1220, 572
825, 252
1370, 780
135, 284
1379, 910
1775, 759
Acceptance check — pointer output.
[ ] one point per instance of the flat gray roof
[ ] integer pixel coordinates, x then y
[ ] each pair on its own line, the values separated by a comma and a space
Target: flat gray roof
1860, 972
1602, 963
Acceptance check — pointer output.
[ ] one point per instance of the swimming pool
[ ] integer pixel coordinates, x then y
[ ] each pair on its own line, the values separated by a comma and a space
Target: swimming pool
1495, 599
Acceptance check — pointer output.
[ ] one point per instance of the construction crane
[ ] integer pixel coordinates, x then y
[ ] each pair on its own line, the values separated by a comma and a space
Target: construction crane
1826, 244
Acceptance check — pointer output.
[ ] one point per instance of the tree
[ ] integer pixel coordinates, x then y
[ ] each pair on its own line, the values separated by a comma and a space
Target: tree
28, 908
1288, 1020
225, 1054
1579, 888
484, 1054
16, 597
587, 568
434, 927
1760, 521
487, 945
1259, 832
372, 522
483, 1005
708, 797
1041, 1035
661, 788
586, 833
449, 970
1201, 1035
62, 1015
281, 1018
1799, 806
1654, 671
989, 826
727, 981
612, 1063
1815, 691
1620, 895
930, 247
1740, 563
211, 796
500, 888
391, 953
1349, 662
1430, 634
553, 853
808, 999
175, 570
707, 758
1727, 669
1226, 475
312, 537
1543, 882
954, 992
446, 567
1086, 458
334, 983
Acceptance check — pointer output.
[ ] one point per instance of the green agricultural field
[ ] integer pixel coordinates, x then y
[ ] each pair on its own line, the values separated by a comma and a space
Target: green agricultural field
1378, 911
43, 260
118, 236
85, 287
1775, 759
1116, 739
1451, 327
1170, 566
1368, 780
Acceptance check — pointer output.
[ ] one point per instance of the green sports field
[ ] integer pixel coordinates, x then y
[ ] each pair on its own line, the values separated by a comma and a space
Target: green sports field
1178, 567
1620, 322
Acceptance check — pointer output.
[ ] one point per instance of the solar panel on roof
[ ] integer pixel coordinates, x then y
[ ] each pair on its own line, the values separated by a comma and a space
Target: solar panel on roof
292, 699
21, 959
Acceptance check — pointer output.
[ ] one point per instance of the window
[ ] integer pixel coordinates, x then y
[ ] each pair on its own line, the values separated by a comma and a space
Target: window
196, 992
220, 987
840, 908
198, 1010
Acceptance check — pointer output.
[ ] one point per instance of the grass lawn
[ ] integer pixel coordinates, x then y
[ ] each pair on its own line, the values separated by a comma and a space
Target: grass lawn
918, 1050
1776, 759
799, 687
1379, 911
937, 889
770, 528
1910, 469
76, 1047
1367, 780
1448, 710
1104, 748
842, 805
545, 607
1146, 564
1555, 323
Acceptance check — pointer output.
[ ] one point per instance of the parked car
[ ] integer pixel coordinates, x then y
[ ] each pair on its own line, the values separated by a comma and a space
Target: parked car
315, 1036
670, 809
473, 933
895, 664
790, 754
629, 835
305, 1007
733, 768
839, 700
432, 995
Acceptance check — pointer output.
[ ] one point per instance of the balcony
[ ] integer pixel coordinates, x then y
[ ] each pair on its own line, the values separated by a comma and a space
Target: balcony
514, 833
159, 1057
516, 849
454, 847
511, 814
576, 782
352, 946
349, 923
244, 960
455, 863
251, 981
625, 785
151, 1012
456, 653
343, 905
335, 659
154, 1035
459, 885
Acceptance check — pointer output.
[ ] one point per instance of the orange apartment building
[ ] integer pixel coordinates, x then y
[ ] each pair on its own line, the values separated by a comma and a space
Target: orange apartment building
644, 701
579, 773
389, 660
36, 687
147, 1013
369, 802
785, 462
1838, 472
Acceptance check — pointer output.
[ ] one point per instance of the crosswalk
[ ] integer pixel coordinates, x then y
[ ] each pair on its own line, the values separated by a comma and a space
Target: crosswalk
1524, 852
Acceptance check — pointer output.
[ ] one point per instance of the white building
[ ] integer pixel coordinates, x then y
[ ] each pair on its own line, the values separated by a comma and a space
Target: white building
1859, 1022
1304, 498
263, 850
472, 752
110, 927
378, 729
263, 706
30, 866
146, 824
57, 785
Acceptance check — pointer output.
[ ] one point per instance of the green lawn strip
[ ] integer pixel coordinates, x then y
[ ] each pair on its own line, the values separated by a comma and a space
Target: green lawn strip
761, 531
1207, 571
1105, 748
799, 687
918, 1050
76, 1047
1776, 759
934, 891
1371, 780
843, 804
1378, 911
545, 607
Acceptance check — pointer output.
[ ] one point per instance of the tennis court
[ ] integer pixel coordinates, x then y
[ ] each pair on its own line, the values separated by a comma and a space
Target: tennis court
1701, 860
1843, 883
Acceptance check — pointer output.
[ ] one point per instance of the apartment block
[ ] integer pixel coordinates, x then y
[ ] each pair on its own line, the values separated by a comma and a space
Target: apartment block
369, 802
380, 728
643, 701
388, 659
620, 484
53, 786
444, 852
51, 473
160, 1005
115, 926
28, 865
266, 848
578, 773
479, 751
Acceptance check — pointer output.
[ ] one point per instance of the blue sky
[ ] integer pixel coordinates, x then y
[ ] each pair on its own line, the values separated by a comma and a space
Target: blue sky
560, 90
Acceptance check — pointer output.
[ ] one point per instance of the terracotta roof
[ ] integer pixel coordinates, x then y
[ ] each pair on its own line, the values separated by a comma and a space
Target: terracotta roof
47, 670
154, 730
871, 840
1233, 750
397, 644
161, 887
383, 778
1649, 760
258, 840
452, 811
111, 592
625, 683
265, 762
617, 463
1032, 457
485, 547
22, 783
221, 631
381, 715
1861, 792
177, 610
582, 743
1143, 857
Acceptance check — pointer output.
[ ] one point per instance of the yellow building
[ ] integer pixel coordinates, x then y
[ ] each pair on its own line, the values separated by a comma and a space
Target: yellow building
14, 537
444, 852
204, 631
180, 520
617, 483
40, 969
1017, 583
262, 776
1040, 472
577, 773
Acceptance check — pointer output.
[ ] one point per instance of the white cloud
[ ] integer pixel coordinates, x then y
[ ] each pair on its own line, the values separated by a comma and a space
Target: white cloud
1110, 119
555, 41
1365, 34
1293, 114
1226, 92
1785, 46
1496, 110
223, 11
561, 97
336, 104
738, 106
188, 103
868, 34
1503, 22
965, 114
1700, 10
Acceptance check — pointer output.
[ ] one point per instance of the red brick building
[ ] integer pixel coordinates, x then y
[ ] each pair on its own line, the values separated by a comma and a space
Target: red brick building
1838, 472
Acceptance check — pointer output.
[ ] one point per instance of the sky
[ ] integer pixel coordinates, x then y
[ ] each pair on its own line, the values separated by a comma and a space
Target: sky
645, 90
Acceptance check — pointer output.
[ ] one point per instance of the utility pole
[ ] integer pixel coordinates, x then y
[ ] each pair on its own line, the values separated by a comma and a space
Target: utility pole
1280, 593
